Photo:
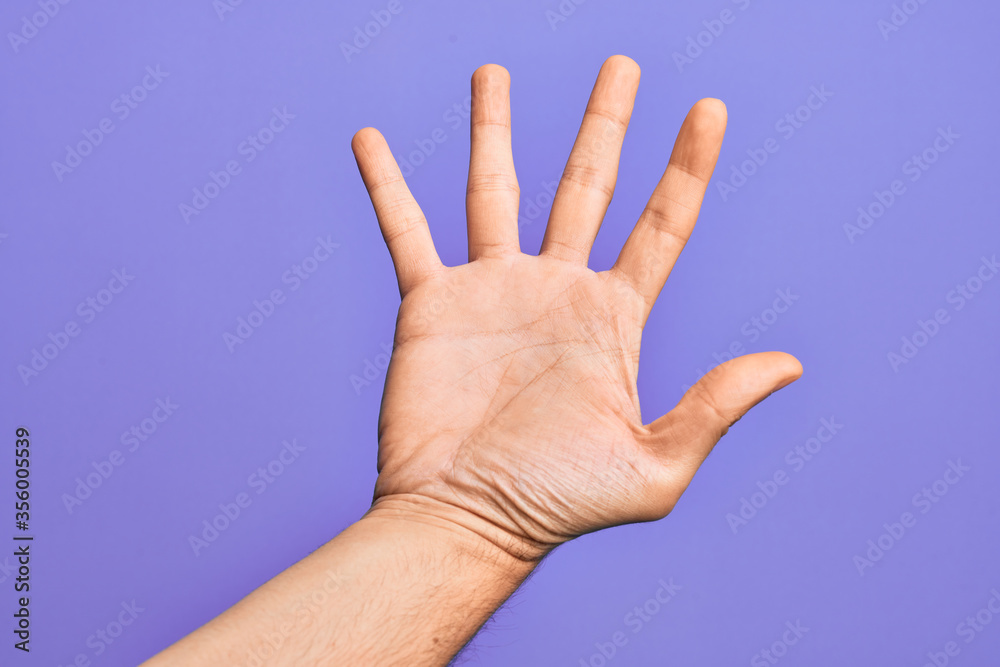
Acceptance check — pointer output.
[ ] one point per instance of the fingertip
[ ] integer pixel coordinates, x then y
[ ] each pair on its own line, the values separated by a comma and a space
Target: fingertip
491, 74
711, 111
798, 367
714, 103
365, 138
621, 65
789, 368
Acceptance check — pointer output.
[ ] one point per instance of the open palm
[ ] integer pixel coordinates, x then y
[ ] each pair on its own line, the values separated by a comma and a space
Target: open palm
510, 405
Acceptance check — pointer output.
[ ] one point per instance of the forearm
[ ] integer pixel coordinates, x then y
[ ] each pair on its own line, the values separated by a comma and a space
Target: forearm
402, 586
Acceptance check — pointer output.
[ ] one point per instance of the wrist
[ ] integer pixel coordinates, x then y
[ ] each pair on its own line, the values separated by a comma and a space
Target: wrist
463, 531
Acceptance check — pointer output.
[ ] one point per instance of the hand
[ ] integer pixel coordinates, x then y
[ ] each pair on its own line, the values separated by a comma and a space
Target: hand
510, 405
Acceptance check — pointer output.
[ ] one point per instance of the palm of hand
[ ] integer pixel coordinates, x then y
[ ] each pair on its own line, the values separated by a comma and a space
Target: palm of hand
511, 396
518, 401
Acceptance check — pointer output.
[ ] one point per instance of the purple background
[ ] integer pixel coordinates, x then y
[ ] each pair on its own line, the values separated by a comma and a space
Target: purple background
162, 336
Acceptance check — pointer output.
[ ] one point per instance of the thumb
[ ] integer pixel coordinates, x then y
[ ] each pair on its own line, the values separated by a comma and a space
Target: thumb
719, 399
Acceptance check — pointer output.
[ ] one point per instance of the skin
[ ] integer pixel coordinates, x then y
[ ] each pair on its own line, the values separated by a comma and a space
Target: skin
510, 421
